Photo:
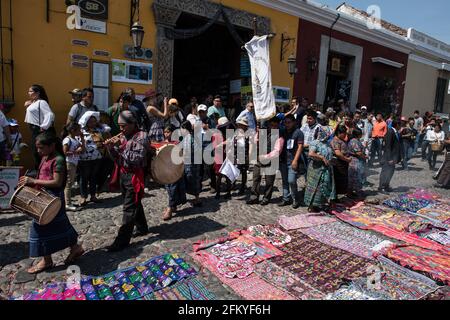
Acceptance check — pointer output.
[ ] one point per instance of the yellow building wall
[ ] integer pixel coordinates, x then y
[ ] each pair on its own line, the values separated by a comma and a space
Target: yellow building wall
42, 51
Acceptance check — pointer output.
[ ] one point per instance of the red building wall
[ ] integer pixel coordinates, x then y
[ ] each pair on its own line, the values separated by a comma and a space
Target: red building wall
309, 41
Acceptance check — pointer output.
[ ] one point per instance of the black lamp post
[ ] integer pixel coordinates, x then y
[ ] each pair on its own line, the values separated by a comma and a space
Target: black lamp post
292, 65
137, 33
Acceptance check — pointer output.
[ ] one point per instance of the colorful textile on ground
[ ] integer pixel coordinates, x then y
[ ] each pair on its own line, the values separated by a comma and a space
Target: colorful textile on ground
438, 214
321, 266
272, 234
304, 221
348, 293
397, 283
136, 282
205, 244
407, 204
345, 237
187, 289
250, 288
54, 292
409, 238
233, 249
435, 264
423, 195
287, 281
442, 293
442, 237
366, 216
235, 267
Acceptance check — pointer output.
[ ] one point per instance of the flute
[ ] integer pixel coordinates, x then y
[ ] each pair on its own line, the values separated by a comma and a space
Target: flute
113, 140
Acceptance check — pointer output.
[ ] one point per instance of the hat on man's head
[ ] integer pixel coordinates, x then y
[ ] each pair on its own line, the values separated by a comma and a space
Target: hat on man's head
223, 122
151, 93
76, 91
330, 110
173, 101
363, 108
202, 107
242, 121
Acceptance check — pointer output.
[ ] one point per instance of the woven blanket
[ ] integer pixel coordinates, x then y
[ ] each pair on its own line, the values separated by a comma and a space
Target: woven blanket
366, 216
438, 214
442, 237
187, 289
422, 195
432, 263
287, 281
321, 266
137, 282
397, 283
304, 221
343, 236
349, 293
205, 244
54, 292
407, 204
251, 288
270, 233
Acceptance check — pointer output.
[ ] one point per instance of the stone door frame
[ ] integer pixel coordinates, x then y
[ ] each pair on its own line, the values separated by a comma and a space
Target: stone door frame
167, 13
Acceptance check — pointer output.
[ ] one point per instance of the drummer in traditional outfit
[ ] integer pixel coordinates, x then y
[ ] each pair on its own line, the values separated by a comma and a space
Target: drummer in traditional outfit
59, 234
130, 152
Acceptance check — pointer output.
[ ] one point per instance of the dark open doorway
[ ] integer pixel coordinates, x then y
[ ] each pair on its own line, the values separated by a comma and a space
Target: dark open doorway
207, 63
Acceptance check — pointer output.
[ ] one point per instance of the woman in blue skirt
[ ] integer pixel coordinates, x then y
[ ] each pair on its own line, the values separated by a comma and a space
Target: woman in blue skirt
58, 234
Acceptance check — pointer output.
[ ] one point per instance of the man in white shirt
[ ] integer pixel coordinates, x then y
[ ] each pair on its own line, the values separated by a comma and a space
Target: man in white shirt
249, 114
79, 109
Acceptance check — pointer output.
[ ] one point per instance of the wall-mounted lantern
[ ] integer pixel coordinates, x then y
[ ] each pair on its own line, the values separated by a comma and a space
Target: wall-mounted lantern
292, 65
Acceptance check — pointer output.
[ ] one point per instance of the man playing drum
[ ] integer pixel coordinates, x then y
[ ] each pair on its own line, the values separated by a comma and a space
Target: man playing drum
129, 150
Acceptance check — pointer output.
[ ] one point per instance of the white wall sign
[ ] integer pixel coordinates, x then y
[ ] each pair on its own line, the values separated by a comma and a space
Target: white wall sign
93, 25
282, 94
101, 98
9, 179
132, 72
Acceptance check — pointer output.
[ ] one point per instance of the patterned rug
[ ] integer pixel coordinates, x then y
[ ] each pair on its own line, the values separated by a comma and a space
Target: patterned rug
407, 204
397, 283
251, 288
343, 236
187, 289
137, 282
349, 293
304, 221
287, 281
323, 267
432, 263
270, 233
53, 292
438, 214
205, 244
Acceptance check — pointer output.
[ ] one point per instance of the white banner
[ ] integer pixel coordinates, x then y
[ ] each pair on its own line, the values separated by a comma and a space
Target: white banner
263, 97
9, 179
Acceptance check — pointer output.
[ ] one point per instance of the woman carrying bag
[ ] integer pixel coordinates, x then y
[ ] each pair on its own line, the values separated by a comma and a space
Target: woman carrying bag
39, 117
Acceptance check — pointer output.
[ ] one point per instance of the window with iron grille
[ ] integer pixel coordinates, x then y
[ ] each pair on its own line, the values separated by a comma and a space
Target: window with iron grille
6, 54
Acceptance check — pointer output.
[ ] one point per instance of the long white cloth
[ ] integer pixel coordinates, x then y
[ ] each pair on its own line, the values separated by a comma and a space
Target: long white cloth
263, 96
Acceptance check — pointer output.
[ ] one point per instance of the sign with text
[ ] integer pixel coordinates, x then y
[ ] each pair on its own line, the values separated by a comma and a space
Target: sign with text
94, 9
132, 72
9, 179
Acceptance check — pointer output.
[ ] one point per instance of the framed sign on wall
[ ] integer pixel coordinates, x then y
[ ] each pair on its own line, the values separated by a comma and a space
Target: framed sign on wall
101, 83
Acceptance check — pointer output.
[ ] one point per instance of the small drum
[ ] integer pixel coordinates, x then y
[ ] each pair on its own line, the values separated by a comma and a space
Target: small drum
161, 167
37, 204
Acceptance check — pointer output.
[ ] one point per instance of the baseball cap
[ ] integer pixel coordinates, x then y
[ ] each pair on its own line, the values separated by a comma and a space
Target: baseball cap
173, 101
202, 107
363, 108
75, 91
13, 123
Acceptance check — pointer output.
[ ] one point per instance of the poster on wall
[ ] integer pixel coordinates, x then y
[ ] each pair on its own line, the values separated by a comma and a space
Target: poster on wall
282, 94
132, 72
101, 98
9, 179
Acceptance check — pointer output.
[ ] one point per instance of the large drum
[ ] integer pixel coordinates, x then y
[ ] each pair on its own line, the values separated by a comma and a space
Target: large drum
37, 204
162, 168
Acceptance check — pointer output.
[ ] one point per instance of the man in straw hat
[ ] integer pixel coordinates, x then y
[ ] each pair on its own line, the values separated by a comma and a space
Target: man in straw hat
130, 150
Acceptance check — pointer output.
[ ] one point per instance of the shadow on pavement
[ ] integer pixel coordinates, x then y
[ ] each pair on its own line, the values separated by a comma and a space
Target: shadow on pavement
12, 221
13, 252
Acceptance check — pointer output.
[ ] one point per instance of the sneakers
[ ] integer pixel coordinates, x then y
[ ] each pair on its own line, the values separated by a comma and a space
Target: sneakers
285, 203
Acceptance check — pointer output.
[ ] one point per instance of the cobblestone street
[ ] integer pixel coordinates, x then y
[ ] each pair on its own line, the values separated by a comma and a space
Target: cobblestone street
97, 226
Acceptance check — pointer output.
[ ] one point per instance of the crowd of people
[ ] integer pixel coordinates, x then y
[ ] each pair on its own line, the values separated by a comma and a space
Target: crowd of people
332, 148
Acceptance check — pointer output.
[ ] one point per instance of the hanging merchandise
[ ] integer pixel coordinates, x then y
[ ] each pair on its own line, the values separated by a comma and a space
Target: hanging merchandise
263, 96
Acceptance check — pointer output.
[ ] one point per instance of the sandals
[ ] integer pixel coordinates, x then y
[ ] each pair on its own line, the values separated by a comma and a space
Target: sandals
37, 269
73, 256
168, 214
